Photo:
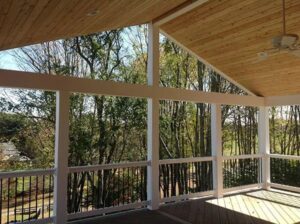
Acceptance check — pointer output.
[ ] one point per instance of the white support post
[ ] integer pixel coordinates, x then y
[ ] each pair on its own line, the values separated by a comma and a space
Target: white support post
153, 120
61, 157
264, 146
216, 139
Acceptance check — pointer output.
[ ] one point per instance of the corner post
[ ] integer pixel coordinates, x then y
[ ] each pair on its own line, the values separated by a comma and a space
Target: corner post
61, 157
216, 139
153, 119
264, 146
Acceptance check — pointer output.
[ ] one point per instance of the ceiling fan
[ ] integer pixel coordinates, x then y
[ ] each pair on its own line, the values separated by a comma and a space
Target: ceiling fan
285, 42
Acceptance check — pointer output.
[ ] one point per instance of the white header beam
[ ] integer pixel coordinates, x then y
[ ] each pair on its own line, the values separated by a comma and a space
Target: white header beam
209, 97
282, 100
28, 80
178, 12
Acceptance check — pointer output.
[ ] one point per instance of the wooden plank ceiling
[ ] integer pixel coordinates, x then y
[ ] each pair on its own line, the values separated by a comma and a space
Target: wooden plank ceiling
230, 33
226, 33
24, 22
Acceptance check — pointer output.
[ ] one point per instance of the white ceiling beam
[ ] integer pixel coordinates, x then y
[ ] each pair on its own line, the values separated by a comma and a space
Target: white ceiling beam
282, 100
209, 97
207, 63
186, 7
28, 80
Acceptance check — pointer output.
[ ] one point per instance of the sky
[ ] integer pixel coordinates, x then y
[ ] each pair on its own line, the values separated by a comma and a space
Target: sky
7, 61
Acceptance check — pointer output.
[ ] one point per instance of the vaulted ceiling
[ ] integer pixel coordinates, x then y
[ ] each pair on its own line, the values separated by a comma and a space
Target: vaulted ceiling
229, 34
24, 22
226, 33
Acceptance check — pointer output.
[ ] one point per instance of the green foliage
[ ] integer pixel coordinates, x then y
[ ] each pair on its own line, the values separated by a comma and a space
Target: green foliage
10, 126
285, 130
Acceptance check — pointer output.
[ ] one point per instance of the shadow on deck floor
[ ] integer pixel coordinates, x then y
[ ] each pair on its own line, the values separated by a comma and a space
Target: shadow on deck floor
255, 207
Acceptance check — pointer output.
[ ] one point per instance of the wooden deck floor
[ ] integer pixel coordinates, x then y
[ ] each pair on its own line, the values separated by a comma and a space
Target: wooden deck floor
248, 207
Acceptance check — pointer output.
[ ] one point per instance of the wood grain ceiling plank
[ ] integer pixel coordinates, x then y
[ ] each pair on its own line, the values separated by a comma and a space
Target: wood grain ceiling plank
43, 22
252, 35
4, 8
47, 20
244, 28
230, 39
210, 27
97, 7
67, 18
205, 13
31, 12
13, 12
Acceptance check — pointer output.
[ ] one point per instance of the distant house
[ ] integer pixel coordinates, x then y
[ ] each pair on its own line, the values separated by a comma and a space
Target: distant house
9, 152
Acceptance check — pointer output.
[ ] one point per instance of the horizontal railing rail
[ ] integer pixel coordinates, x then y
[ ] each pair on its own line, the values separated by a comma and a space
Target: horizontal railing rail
107, 166
188, 196
25, 173
107, 210
280, 156
285, 187
249, 156
242, 188
186, 160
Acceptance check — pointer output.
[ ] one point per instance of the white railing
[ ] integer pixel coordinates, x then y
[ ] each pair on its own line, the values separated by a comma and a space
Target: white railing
26, 173
26, 196
185, 178
250, 156
280, 156
77, 169
132, 176
127, 179
238, 175
209, 192
108, 188
186, 160
278, 178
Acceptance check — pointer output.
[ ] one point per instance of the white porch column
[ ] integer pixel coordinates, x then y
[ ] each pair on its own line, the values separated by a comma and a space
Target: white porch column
153, 119
216, 144
264, 146
61, 157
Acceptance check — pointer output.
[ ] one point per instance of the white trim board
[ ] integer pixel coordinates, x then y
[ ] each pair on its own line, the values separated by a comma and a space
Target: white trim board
170, 16
187, 196
112, 209
285, 187
282, 100
28, 80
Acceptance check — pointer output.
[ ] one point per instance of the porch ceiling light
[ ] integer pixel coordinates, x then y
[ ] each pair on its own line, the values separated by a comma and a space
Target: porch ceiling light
93, 12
